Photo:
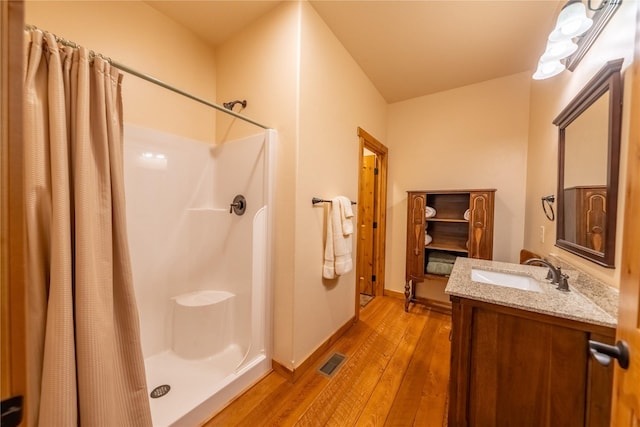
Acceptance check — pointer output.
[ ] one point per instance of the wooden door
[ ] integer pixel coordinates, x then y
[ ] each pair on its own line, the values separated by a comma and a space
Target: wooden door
481, 225
626, 386
416, 205
366, 221
379, 214
595, 218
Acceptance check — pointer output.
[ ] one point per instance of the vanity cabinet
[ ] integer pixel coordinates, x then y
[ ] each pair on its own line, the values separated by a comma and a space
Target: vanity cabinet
585, 215
450, 232
512, 367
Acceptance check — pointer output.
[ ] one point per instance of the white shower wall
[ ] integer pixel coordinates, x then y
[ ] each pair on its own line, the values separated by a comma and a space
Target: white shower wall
198, 269
181, 234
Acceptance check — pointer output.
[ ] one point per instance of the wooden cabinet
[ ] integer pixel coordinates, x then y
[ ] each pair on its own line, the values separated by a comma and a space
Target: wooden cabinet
585, 215
450, 233
511, 367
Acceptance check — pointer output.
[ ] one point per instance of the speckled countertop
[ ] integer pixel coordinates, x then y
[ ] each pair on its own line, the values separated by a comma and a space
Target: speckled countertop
587, 301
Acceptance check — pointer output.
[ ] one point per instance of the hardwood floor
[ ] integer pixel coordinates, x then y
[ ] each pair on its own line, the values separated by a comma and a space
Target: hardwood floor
396, 374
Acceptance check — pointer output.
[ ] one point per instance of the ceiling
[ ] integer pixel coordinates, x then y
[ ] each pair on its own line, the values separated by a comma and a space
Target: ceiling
406, 48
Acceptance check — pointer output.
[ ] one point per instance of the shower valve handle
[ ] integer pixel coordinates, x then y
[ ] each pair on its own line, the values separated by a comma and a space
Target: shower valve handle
235, 205
239, 205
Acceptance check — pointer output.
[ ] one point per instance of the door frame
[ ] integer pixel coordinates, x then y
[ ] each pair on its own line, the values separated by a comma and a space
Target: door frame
625, 410
380, 212
13, 247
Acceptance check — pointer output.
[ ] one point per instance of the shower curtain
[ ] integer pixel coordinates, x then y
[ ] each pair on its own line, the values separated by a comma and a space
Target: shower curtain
85, 359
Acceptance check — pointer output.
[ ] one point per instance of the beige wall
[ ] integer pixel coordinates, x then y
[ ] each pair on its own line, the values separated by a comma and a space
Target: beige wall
548, 98
335, 98
261, 65
298, 79
470, 137
136, 35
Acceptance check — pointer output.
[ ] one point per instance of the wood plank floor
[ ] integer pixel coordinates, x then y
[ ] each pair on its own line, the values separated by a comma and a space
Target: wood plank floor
396, 374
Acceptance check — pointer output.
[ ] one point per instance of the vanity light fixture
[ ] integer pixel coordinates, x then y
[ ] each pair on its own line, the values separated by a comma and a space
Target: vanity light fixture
572, 22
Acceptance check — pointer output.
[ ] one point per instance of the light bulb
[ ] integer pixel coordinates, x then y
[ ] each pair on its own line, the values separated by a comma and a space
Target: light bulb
558, 50
548, 69
572, 22
571, 27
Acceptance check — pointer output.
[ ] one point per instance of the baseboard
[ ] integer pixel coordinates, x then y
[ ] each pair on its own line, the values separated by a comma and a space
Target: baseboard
435, 305
292, 375
393, 294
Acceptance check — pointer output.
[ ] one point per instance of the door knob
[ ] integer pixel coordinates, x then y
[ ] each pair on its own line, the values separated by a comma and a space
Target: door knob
603, 353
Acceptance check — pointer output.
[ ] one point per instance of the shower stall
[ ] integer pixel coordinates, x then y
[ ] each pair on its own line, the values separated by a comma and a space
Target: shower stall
199, 219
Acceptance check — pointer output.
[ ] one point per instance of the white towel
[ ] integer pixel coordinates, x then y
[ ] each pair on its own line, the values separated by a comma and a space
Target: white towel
427, 239
337, 251
346, 213
467, 214
429, 212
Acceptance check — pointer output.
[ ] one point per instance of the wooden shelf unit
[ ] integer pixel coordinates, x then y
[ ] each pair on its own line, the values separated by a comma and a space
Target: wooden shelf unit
449, 230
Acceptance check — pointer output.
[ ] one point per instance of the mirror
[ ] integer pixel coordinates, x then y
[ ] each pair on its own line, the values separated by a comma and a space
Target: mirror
588, 164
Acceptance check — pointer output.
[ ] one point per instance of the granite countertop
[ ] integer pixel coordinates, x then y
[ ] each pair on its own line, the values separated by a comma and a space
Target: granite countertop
588, 302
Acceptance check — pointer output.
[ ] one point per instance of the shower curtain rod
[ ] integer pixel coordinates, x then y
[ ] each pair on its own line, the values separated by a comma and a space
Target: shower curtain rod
153, 80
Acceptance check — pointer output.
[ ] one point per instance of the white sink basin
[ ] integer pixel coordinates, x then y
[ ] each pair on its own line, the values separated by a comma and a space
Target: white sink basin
509, 280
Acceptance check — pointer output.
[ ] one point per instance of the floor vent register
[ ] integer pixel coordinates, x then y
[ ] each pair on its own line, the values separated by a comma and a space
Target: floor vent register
331, 366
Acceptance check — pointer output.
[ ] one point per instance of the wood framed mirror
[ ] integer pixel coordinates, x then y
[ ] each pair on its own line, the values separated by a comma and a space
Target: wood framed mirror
588, 166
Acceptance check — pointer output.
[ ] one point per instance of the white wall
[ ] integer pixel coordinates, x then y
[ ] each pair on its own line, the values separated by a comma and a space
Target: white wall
472, 137
548, 98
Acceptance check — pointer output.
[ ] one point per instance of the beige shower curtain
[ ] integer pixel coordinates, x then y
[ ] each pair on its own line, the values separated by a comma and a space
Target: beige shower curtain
85, 359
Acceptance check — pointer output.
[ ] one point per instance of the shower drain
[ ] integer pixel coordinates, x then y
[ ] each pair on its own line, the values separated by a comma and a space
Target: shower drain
160, 391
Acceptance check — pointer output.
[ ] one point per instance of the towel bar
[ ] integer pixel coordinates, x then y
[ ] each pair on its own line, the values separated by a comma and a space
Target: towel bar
316, 200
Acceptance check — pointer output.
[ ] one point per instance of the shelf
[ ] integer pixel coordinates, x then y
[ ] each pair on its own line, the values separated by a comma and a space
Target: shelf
436, 277
457, 220
452, 247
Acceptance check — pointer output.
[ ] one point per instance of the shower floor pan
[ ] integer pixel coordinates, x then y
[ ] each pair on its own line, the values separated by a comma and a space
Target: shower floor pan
191, 381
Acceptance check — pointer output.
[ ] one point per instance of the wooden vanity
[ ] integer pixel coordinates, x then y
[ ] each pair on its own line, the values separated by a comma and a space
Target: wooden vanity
521, 358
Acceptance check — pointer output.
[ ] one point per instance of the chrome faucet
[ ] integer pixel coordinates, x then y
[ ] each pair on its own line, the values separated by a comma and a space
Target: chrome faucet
555, 273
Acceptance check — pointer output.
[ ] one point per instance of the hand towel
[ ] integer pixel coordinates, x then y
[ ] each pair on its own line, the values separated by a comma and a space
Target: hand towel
439, 268
427, 239
337, 251
467, 214
346, 213
443, 257
429, 212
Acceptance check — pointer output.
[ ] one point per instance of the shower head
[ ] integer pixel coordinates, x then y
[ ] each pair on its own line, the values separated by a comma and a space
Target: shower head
230, 105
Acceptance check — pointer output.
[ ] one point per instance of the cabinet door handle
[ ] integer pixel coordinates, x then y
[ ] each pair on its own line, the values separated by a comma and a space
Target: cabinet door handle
603, 353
